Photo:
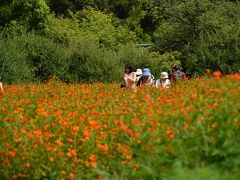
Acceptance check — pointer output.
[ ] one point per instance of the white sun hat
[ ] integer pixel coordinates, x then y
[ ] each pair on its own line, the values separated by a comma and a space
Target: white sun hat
139, 72
164, 75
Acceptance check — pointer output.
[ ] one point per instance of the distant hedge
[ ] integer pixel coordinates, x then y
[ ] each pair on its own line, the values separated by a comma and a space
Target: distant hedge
30, 57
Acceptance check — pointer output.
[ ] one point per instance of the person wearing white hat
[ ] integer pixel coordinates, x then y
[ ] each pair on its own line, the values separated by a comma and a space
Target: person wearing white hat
163, 82
138, 74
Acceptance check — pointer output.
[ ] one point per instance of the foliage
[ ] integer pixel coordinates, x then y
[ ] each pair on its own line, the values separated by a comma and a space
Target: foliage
142, 58
46, 58
13, 65
204, 32
33, 14
218, 44
30, 57
93, 25
90, 63
64, 30
5, 14
13, 29
109, 33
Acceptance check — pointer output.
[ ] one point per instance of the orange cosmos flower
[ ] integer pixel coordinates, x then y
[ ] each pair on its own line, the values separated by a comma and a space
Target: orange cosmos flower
129, 156
236, 76
30, 135
27, 165
103, 147
171, 135
123, 127
217, 73
93, 160
37, 132
238, 123
51, 159
18, 140
63, 172
59, 142
124, 150
72, 153
214, 105
19, 175
71, 176
75, 128
12, 153
86, 133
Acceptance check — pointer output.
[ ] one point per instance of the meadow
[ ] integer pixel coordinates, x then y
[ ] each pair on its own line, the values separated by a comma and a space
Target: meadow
99, 131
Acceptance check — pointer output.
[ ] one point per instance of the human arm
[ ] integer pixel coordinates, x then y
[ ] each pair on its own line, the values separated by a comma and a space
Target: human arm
1, 87
132, 79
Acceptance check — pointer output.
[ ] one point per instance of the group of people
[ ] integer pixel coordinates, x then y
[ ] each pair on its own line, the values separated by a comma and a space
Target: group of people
144, 77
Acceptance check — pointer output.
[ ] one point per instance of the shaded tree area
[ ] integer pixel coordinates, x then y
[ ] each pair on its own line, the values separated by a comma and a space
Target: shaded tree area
199, 34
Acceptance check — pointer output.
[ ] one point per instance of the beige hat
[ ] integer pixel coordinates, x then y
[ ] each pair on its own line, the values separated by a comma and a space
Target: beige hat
164, 75
139, 72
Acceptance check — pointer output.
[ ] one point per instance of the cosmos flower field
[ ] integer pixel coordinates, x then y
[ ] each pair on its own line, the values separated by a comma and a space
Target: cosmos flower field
99, 131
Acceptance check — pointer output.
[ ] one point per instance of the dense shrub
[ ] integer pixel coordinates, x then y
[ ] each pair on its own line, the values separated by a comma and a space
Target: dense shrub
81, 60
31, 57
90, 63
216, 52
46, 58
13, 64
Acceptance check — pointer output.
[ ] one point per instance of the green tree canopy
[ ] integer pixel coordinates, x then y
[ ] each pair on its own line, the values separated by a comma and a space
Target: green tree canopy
34, 13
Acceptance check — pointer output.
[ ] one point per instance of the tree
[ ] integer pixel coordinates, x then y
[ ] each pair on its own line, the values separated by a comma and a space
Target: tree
105, 28
179, 25
34, 13
218, 44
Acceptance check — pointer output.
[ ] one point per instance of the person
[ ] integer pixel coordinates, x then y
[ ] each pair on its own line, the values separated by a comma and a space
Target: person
1, 86
163, 82
130, 77
177, 74
138, 74
146, 78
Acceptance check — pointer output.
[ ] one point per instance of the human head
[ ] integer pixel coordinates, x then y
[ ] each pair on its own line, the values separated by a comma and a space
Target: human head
146, 75
129, 69
175, 67
146, 72
164, 75
139, 72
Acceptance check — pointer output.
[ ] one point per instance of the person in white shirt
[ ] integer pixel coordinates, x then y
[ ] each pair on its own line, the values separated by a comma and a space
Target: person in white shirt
130, 78
1, 87
163, 82
138, 74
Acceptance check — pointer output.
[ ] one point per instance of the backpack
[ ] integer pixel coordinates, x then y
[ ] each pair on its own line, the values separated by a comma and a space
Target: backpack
158, 83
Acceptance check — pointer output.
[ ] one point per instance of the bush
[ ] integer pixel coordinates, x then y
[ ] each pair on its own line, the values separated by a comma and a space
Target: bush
13, 64
46, 58
31, 57
90, 63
